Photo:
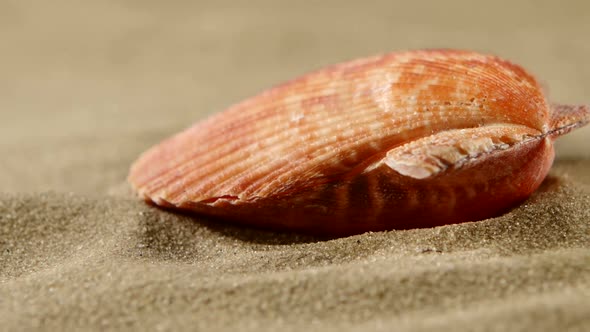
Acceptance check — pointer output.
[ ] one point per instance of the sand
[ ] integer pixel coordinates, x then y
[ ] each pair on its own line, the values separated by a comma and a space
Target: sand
87, 87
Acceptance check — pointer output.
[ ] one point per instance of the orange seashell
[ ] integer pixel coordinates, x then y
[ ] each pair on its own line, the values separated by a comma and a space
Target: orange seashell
403, 140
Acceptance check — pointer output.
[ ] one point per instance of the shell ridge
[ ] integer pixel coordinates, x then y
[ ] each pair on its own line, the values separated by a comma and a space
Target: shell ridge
452, 149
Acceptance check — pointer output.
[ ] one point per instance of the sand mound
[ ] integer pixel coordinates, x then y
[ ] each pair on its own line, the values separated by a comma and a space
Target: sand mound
111, 261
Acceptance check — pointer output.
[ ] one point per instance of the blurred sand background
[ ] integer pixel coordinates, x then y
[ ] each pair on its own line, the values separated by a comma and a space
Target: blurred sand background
85, 87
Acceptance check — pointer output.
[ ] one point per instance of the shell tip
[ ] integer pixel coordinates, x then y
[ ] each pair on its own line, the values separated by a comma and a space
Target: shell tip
565, 118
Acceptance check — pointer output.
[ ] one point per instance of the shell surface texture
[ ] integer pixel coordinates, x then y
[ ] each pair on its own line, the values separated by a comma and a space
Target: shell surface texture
397, 141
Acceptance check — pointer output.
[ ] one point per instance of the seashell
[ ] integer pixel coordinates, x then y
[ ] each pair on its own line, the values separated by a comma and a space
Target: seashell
396, 141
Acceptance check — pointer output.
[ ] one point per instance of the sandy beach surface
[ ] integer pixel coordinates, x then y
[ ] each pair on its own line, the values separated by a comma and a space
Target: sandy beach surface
86, 87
